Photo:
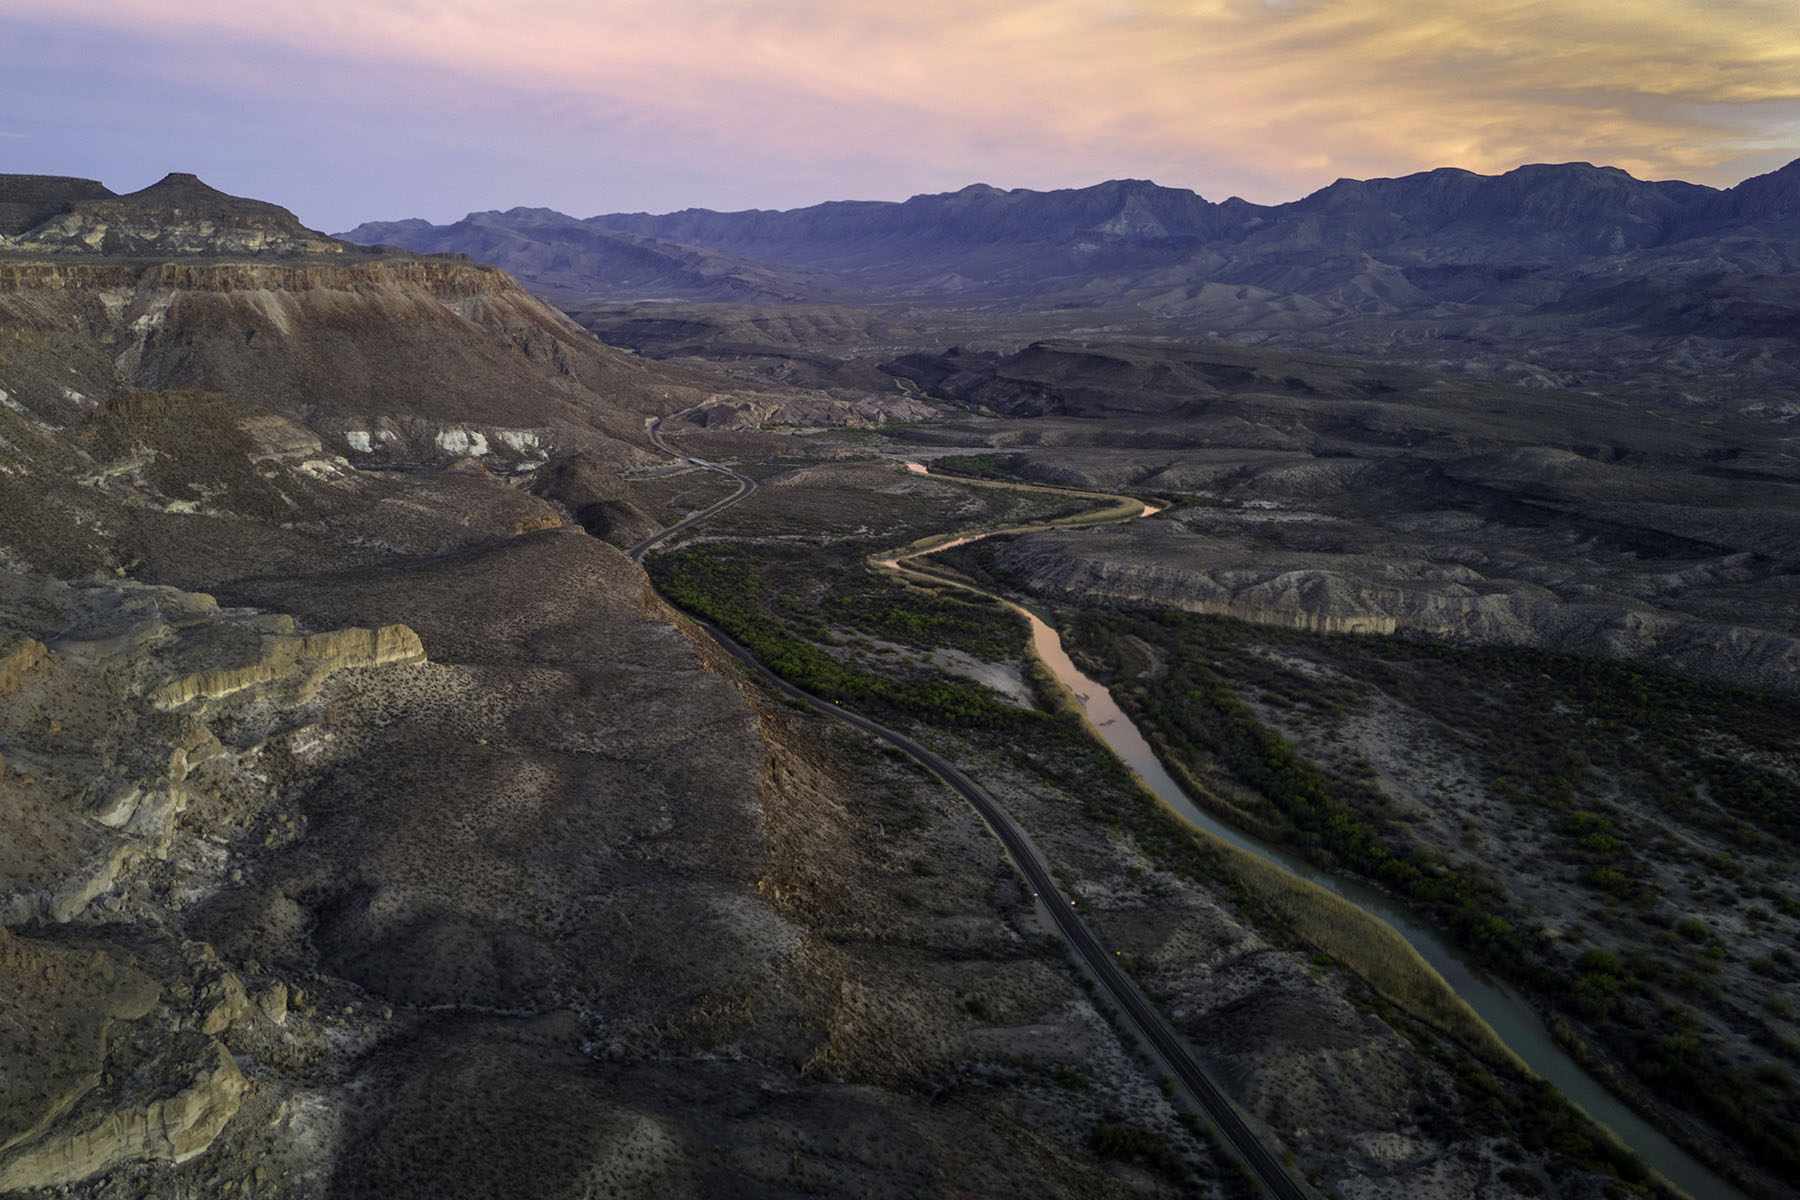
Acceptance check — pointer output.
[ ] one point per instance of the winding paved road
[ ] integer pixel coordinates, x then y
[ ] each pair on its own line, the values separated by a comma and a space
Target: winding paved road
746, 485
1149, 1025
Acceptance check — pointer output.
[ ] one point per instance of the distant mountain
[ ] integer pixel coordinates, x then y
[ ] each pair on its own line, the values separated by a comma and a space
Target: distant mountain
557, 252
1357, 245
1775, 196
950, 230
962, 241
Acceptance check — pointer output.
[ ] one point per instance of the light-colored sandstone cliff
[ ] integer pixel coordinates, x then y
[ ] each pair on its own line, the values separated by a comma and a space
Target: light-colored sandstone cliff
173, 1128
296, 663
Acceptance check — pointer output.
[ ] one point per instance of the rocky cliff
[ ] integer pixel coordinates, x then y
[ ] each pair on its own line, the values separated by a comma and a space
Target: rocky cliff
28, 200
1359, 594
483, 368
177, 215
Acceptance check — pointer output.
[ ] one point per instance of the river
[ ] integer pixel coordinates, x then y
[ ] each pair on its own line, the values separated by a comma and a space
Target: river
1509, 1016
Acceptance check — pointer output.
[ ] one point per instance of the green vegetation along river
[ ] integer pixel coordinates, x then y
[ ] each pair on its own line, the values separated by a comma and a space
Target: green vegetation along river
1503, 1010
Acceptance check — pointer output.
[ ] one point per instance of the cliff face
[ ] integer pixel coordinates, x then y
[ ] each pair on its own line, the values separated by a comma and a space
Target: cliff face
29, 200
1359, 596
178, 215
387, 359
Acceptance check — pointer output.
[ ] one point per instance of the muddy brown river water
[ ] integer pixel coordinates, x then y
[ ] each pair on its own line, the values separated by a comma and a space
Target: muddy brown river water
1517, 1025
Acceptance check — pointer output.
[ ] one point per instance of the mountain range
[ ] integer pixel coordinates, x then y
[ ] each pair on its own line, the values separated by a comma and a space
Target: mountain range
1443, 236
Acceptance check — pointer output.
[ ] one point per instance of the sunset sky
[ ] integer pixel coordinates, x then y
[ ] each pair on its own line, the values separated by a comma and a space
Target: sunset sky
380, 109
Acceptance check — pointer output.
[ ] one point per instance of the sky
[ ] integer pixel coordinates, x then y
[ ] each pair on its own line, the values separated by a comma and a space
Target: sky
354, 110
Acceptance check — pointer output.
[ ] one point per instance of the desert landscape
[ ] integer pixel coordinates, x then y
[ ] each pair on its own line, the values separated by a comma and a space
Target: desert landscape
422, 653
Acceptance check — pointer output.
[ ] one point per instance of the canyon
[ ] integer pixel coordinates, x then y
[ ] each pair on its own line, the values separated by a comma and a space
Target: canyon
376, 825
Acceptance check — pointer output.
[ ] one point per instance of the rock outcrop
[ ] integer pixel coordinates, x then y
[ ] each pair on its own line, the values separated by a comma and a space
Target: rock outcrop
20, 658
177, 215
71, 1106
115, 675
296, 663
74, 996
1350, 593
208, 1088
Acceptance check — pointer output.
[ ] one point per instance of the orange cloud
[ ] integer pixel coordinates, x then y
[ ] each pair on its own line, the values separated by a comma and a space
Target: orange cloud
1268, 97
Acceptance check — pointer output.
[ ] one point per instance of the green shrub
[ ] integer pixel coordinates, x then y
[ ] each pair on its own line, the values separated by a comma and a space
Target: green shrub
1121, 1142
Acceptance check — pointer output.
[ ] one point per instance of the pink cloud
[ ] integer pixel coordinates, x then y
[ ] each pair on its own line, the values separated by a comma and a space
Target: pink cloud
1268, 99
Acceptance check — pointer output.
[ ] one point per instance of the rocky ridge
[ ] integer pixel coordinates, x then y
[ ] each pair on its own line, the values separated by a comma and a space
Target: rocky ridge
1364, 595
176, 215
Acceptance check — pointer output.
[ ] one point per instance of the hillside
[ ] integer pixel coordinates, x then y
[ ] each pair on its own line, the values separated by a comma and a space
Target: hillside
368, 829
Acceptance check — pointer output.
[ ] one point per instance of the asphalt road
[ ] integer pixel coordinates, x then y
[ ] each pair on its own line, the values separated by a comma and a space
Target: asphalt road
1142, 1016
746, 485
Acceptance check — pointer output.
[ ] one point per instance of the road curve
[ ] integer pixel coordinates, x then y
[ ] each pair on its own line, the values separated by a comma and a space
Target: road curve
1149, 1025
746, 485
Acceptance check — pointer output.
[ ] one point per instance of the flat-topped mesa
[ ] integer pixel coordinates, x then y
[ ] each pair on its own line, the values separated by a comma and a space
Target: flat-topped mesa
27, 201
179, 214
